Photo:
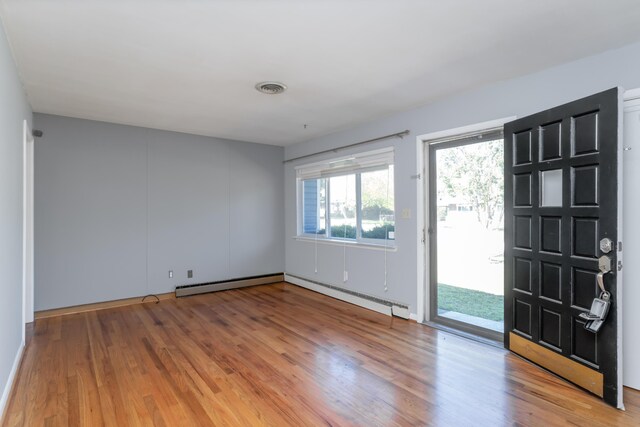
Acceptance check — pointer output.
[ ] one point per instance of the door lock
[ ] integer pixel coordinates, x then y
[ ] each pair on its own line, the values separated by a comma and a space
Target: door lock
606, 245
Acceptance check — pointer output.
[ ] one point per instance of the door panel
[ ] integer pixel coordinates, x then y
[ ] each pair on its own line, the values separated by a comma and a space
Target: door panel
561, 199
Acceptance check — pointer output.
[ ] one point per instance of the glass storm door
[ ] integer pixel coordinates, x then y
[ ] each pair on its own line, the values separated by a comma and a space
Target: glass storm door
467, 233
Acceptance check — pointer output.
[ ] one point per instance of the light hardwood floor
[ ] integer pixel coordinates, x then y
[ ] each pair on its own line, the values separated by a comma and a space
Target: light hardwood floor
281, 355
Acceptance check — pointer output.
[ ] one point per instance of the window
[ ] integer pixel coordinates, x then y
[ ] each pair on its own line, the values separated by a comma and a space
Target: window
348, 199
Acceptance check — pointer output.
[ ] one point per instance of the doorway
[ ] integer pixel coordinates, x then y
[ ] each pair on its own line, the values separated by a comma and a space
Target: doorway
466, 233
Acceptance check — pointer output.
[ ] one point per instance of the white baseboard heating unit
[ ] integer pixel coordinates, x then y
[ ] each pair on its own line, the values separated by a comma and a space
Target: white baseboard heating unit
388, 307
223, 285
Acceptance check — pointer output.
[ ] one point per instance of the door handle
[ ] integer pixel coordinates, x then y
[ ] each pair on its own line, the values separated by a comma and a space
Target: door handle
604, 264
600, 279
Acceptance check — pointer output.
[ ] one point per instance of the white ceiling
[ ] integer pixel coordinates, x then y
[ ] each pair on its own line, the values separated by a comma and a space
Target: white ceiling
191, 65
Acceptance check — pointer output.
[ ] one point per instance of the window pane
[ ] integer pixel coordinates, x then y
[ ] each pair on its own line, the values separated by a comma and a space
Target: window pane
342, 205
378, 219
314, 193
551, 188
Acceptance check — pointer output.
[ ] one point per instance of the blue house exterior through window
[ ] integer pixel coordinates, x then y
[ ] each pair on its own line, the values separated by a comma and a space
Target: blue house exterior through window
310, 210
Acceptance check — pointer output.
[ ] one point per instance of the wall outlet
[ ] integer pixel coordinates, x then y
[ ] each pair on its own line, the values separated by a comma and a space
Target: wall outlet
170, 274
189, 274
406, 213
345, 276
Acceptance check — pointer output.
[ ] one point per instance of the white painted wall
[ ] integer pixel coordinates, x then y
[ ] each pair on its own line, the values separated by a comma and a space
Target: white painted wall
14, 109
520, 96
117, 207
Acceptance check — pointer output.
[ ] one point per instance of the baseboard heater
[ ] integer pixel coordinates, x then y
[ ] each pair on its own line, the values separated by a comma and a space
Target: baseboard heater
223, 285
388, 307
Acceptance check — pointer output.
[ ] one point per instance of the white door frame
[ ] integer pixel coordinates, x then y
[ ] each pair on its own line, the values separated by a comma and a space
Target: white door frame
630, 316
27, 228
422, 154
422, 214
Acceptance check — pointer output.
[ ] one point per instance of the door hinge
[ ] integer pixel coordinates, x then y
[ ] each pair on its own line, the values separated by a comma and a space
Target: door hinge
424, 236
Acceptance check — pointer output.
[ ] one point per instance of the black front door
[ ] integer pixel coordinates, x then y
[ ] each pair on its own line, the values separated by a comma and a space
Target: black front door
561, 201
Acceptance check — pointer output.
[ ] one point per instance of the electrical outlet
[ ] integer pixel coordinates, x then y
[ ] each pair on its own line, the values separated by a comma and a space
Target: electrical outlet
189, 274
170, 274
346, 276
406, 213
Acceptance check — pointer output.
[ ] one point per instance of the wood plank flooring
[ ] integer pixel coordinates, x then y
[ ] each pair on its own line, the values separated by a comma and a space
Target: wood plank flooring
280, 355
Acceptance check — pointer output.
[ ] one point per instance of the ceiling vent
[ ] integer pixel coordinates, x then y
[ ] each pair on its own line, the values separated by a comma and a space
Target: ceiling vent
271, 88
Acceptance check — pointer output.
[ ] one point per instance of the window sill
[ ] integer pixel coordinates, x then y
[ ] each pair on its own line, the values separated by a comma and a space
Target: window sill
337, 242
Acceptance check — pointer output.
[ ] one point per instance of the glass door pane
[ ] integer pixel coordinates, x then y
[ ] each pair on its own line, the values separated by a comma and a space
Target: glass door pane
469, 194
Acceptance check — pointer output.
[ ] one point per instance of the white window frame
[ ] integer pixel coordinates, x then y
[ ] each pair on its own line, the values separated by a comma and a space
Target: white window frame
358, 189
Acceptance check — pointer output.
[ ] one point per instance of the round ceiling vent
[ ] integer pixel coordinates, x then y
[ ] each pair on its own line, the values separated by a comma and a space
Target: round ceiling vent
271, 88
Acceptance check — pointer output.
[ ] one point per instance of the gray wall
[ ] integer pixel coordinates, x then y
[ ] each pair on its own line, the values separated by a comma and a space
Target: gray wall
520, 96
13, 110
117, 207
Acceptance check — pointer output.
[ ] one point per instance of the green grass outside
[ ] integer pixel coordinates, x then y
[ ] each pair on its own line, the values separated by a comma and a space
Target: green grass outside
471, 302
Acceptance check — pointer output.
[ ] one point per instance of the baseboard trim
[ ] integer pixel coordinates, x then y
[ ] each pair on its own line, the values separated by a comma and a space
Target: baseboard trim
378, 305
11, 380
204, 288
99, 306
